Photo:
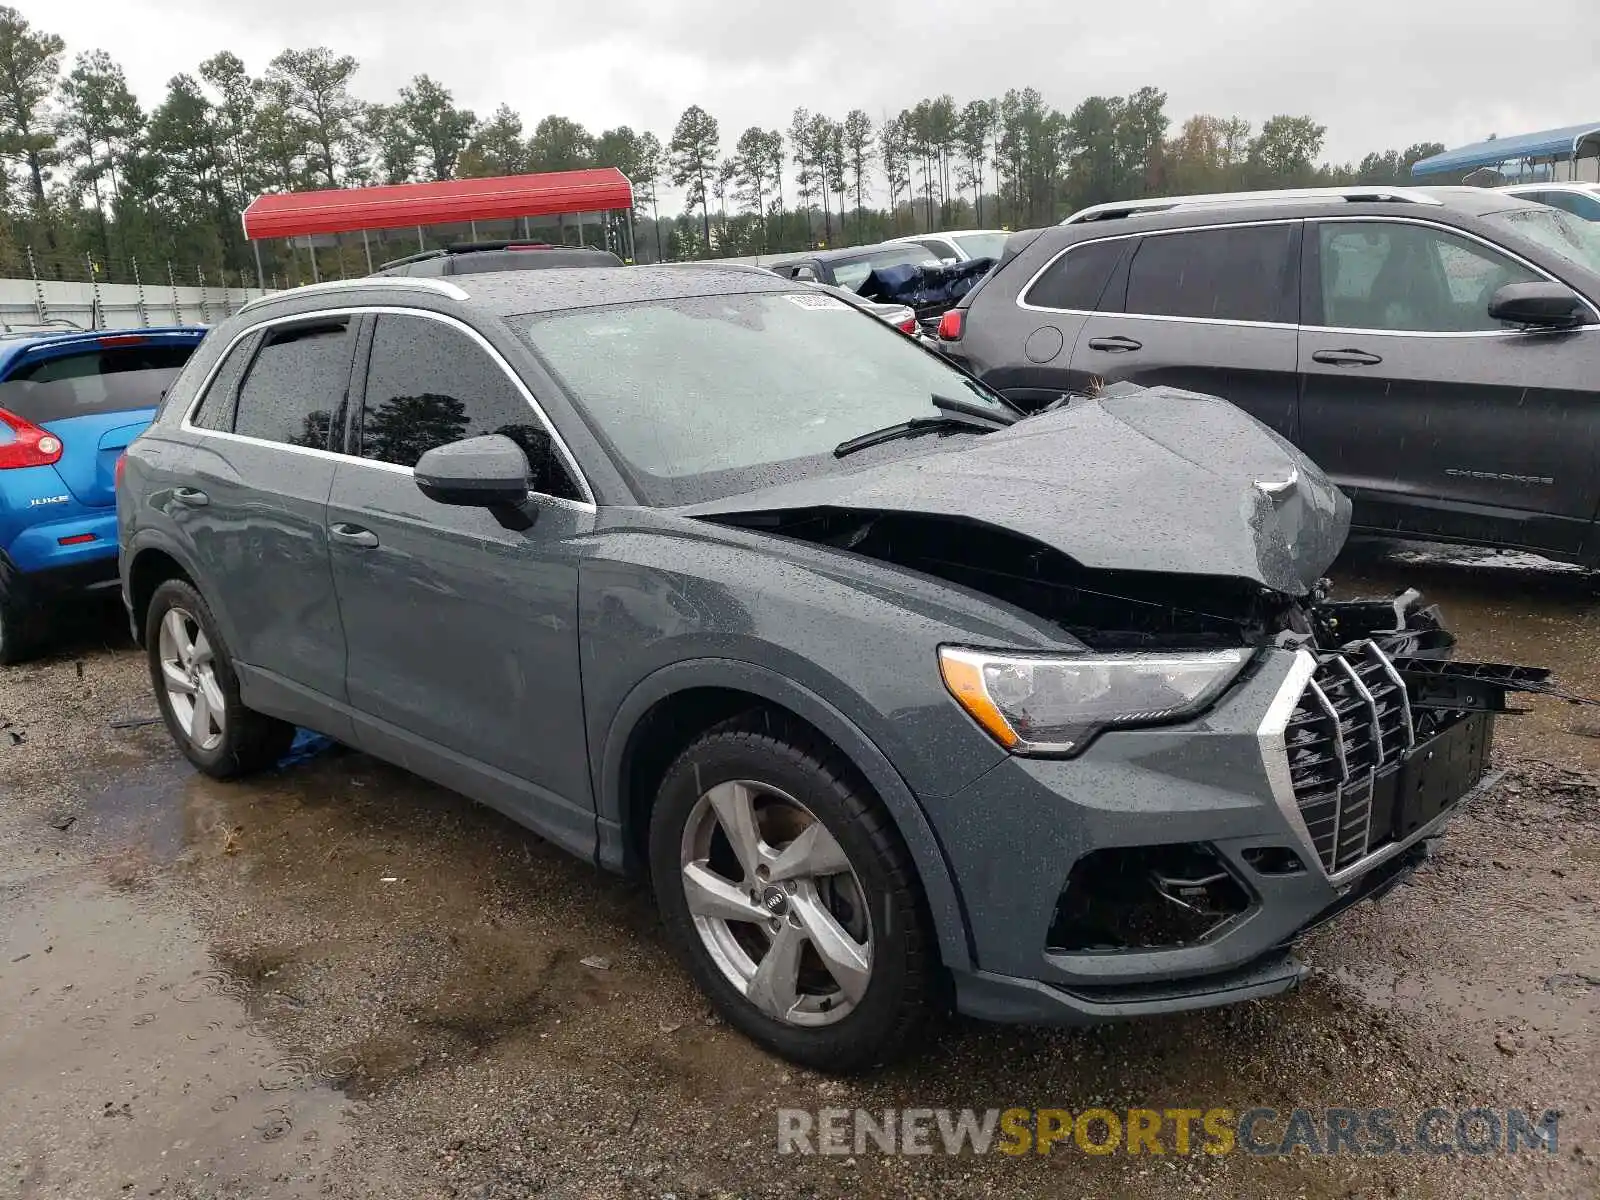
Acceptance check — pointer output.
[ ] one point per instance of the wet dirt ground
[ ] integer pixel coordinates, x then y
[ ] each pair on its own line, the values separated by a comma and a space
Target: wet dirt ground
340, 981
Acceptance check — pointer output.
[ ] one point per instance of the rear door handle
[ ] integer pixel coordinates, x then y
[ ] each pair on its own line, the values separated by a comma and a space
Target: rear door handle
1115, 345
193, 497
353, 535
1346, 358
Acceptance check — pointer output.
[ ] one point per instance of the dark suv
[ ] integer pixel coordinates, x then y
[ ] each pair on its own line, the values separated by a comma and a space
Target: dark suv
895, 695
1434, 350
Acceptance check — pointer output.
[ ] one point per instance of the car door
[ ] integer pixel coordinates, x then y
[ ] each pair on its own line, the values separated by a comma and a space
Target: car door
1437, 420
1211, 310
250, 507
462, 634
1024, 349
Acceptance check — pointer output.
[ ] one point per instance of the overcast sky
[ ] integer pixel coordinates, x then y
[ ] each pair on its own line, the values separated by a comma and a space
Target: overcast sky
1377, 73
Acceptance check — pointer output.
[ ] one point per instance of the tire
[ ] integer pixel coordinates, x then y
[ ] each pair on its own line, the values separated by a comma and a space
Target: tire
789, 774
241, 742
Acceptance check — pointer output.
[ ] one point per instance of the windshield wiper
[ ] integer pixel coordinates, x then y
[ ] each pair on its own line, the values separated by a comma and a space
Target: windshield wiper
916, 425
986, 412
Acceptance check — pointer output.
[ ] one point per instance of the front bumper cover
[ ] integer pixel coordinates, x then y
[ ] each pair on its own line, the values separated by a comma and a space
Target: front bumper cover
1221, 781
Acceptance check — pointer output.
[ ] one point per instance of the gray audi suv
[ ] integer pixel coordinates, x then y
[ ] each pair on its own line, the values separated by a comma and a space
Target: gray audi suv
900, 699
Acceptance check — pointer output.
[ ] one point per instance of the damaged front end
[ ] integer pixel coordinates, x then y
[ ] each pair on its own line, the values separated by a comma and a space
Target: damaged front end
1377, 734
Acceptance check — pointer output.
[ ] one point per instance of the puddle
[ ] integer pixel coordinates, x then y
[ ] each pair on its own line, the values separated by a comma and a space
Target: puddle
132, 1062
162, 808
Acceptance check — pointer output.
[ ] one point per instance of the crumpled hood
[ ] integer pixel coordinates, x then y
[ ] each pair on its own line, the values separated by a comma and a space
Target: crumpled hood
1137, 479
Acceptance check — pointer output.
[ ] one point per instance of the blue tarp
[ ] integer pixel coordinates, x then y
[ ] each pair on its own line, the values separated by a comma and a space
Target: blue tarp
1551, 142
926, 289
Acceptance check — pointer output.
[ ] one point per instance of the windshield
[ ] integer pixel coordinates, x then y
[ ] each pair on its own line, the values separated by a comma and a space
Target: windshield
853, 274
1568, 236
709, 396
981, 245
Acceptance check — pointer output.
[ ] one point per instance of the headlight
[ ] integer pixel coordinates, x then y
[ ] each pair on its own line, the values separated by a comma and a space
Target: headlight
1034, 704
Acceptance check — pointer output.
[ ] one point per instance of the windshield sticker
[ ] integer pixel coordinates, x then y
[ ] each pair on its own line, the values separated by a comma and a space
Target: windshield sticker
816, 301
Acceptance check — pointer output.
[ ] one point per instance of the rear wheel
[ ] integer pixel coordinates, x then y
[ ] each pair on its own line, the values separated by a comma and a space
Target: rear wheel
198, 692
787, 893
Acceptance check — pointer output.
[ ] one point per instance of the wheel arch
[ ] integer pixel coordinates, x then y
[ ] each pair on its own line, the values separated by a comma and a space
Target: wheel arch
149, 561
686, 698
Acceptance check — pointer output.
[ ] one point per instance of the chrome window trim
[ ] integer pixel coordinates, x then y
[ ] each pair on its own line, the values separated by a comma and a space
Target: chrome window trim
426, 283
1022, 303
1275, 754
1503, 251
186, 424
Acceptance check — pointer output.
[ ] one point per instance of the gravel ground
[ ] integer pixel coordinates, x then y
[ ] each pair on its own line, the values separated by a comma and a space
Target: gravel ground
341, 981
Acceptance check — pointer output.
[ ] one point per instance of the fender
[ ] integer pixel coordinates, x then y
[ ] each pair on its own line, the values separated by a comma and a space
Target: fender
944, 899
156, 539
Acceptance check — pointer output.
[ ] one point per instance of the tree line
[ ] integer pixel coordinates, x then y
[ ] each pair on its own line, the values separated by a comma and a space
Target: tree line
91, 176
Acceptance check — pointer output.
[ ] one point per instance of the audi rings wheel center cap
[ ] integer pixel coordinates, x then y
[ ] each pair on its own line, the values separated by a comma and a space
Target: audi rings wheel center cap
774, 901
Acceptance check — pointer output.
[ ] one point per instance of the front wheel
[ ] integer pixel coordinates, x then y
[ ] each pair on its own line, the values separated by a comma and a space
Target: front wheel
198, 691
787, 893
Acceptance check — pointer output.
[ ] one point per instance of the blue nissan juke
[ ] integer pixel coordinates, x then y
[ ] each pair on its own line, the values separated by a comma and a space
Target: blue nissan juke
70, 402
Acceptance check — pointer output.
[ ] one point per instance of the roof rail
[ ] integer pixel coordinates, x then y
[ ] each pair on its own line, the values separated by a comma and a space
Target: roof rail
414, 282
1127, 208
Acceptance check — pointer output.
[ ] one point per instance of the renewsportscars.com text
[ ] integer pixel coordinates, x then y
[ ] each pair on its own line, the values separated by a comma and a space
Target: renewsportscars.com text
1175, 1131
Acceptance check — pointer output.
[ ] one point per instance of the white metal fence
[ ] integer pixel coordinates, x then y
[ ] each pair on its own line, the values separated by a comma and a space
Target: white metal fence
30, 304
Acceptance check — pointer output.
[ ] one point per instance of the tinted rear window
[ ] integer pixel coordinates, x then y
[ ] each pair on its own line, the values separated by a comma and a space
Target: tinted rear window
294, 386
109, 380
1077, 279
1241, 274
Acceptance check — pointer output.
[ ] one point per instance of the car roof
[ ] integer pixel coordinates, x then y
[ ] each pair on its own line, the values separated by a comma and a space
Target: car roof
945, 233
1289, 204
555, 289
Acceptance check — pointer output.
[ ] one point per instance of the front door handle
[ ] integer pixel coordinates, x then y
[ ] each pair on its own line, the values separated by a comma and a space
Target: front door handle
193, 497
1115, 345
353, 535
1346, 358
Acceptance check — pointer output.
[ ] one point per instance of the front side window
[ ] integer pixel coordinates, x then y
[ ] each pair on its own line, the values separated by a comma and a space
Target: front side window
293, 389
429, 384
1077, 280
707, 396
1238, 274
1410, 278
104, 380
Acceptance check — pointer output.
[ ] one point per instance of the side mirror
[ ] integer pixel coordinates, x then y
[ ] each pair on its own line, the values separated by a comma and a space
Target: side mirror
1544, 305
480, 472
805, 273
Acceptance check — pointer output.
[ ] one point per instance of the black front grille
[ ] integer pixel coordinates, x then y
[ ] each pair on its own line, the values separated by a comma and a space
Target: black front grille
1352, 720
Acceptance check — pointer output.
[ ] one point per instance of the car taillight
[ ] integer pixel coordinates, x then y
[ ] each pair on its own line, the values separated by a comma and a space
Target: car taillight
951, 325
31, 447
122, 463
909, 325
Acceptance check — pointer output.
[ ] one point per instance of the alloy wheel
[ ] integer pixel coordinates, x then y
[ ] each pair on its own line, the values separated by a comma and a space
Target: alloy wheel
188, 672
776, 903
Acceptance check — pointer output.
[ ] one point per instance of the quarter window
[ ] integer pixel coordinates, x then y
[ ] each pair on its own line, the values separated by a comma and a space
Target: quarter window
428, 385
1408, 278
217, 408
295, 385
1078, 279
1238, 274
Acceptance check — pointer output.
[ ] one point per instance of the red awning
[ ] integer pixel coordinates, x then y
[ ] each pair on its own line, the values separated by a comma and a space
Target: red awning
344, 210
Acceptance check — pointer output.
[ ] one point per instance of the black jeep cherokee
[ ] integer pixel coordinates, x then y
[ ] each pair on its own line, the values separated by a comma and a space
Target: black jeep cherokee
1433, 349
